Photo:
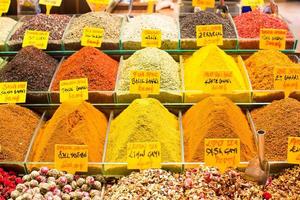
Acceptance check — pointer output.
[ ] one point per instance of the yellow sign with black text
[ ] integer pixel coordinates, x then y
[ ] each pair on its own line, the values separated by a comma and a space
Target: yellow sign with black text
272, 39
287, 78
218, 81
73, 89
151, 38
293, 153
209, 34
13, 92
92, 37
4, 6
39, 39
203, 4
50, 2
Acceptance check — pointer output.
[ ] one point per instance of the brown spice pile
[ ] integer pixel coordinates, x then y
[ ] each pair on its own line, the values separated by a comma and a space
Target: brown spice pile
280, 120
16, 130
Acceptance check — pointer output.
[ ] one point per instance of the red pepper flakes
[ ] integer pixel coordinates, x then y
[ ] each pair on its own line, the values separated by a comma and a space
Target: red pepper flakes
8, 182
91, 63
249, 24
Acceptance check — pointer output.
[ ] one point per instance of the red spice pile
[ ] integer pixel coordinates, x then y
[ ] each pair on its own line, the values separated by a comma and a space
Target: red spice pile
91, 63
8, 182
249, 24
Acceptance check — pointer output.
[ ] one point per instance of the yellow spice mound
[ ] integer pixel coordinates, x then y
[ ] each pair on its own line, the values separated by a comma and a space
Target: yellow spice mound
145, 120
210, 58
76, 123
215, 117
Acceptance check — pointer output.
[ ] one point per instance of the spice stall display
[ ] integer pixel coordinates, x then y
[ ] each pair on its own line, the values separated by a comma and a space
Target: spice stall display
211, 59
97, 67
132, 30
188, 23
279, 120
110, 23
215, 117
151, 59
6, 25
54, 24
249, 24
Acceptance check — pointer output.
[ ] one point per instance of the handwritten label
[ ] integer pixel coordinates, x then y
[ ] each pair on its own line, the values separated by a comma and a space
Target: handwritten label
39, 39
209, 34
203, 3
71, 158
272, 39
4, 6
143, 155
287, 78
293, 153
92, 37
101, 2
50, 2
151, 38
144, 82
222, 153
73, 89
252, 3
13, 92
218, 81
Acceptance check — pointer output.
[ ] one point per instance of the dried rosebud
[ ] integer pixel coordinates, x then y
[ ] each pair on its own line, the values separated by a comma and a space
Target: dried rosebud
94, 193
96, 198
67, 189
18, 180
41, 179
51, 179
100, 178
97, 185
62, 181
34, 183
85, 187
44, 188
34, 174
267, 195
65, 197
70, 177
26, 178
49, 195
90, 180
57, 192
74, 185
27, 196
80, 182
52, 186
21, 187
38, 197
15, 194
53, 172
44, 170
188, 183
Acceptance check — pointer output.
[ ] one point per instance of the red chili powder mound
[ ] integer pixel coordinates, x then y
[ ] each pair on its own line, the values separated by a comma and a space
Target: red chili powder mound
91, 63
249, 24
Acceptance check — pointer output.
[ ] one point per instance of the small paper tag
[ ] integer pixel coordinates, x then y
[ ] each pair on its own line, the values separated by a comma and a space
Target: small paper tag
222, 153
203, 4
253, 3
218, 81
13, 92
50, 2
4, 6
143, 155
100, 2
92, 37
73, 89
151, 38
293, 153
39, 39
71, 158
287, 78
209, 34
272, 39
144, 82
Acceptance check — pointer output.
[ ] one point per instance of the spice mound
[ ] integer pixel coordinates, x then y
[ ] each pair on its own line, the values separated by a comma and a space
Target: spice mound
6, 25
261, 66
189, 22
76, 123
31, 65
144, 120
167, 25
16, 130
90, 63
8, 183
280, 120
249, 24
54, 184
147, 184
110, 23
215, 117
209, 59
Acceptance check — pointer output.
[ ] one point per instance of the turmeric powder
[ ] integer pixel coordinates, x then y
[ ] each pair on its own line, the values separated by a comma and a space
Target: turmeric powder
77, 123
215, 117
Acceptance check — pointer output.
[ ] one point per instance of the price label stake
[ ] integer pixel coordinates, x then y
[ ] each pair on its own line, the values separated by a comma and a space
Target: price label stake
144, 82
92, 37
209, 34
222, 153
293, 153
143, 155
4, 6
272, 39
39, 39
287, 79
13, 92
203, 4
49, 4
218, 81
97, 5
73, 90
71, 158
151, 38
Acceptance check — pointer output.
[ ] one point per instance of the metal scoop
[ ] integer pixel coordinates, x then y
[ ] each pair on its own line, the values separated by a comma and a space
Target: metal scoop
258, 168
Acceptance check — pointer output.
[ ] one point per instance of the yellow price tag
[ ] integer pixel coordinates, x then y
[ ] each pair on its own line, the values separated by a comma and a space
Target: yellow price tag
4, 6
287, 78
144, 82
293, 152
218, 81
13, 92
203, 4
71, 158
50, 2
272, 39
143, 155
253, 3
151, 38
73, 89
209, 34
222, 153
39, 39
92, 37
101, 2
